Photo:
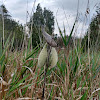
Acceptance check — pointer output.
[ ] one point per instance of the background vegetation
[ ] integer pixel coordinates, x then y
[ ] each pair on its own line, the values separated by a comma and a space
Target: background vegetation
76, 75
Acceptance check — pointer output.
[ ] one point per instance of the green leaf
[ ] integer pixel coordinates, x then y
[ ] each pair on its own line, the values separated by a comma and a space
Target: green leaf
78, 81
84, 96
51, 93
71, 33
64, 40
76, 65
17, 85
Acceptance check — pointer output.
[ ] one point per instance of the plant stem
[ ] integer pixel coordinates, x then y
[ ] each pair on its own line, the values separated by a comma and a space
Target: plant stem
45, 69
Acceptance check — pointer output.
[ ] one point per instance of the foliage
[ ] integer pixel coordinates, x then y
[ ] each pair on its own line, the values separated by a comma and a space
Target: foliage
41, 17
71, 79
75, 77
94, 31
11, 27
48, 20
60, 41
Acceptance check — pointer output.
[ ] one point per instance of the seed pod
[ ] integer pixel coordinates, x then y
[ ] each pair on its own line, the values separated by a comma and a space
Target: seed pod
54, 57
42, 56
48, 38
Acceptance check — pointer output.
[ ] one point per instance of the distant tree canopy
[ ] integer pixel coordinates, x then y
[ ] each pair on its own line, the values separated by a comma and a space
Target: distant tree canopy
41, 17
11, 27
94, 31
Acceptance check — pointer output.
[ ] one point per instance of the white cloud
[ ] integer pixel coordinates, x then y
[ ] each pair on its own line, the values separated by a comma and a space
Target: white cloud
17, 9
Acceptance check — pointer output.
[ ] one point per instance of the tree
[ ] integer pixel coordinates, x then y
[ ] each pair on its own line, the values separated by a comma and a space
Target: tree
38, 21
11, 27
94, 30
41, 18
4, 11
49, 20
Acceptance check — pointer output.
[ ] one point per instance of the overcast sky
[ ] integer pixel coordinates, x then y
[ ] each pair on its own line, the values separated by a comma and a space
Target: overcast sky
64, 11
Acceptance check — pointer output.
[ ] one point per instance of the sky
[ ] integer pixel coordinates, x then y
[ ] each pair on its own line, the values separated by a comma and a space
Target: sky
65, 12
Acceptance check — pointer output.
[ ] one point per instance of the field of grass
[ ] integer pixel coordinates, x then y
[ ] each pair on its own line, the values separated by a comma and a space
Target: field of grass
75, 77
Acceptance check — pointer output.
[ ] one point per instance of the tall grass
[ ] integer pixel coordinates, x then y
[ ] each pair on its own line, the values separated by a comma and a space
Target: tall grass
75, 77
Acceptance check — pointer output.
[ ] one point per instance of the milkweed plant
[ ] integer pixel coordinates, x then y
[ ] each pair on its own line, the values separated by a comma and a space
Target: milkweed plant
48, 56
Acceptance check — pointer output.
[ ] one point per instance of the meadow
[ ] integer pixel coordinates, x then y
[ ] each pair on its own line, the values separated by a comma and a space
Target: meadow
75, 77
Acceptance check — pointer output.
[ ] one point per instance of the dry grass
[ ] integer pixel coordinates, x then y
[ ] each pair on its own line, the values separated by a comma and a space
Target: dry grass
64, 82
75, 77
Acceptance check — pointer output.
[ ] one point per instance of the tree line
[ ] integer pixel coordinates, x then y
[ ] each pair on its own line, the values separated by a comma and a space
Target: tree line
94, 32
11, 28
43, 17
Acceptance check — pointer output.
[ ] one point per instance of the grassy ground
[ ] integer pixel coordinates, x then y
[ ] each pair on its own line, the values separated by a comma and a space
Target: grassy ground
76, 76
